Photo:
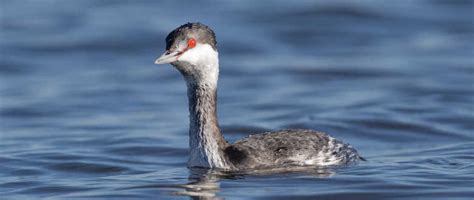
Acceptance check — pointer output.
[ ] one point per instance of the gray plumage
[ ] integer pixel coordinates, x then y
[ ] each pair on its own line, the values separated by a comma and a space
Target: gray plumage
289, 148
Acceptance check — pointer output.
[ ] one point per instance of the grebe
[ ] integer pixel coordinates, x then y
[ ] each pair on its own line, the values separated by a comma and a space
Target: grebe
192, 50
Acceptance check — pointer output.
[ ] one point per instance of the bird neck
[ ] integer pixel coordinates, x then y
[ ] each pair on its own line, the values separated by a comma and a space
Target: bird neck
205, 139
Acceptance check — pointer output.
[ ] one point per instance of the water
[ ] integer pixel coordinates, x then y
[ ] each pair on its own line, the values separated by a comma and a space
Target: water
84, 113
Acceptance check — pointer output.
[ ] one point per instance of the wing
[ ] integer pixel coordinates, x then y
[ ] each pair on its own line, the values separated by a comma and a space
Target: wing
288, 147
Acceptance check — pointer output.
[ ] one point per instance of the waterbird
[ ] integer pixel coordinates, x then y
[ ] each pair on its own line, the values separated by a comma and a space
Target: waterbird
192, 50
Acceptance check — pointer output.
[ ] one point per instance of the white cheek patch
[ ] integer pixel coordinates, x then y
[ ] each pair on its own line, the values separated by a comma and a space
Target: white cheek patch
205, 61
201, 54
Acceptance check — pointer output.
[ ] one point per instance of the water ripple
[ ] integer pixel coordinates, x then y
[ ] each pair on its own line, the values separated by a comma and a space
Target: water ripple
87, 168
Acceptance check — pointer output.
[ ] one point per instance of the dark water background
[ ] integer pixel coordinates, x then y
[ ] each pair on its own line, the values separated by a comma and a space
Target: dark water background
84, 113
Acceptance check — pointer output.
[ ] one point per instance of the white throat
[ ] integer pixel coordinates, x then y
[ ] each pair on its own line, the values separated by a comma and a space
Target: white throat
200, 68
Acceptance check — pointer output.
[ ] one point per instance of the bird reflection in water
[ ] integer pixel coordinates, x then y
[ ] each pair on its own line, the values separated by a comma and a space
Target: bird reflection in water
205, 183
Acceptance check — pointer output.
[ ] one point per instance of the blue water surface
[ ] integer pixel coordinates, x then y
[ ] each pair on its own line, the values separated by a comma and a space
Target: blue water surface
84, 112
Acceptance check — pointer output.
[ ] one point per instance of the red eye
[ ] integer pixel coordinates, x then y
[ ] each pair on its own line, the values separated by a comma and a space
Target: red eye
191, 43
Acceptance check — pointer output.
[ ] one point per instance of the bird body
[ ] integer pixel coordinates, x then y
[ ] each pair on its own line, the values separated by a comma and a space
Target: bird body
192, 50
288, 148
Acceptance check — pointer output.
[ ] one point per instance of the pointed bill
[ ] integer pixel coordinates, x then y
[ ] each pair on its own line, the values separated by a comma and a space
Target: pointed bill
167, 57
